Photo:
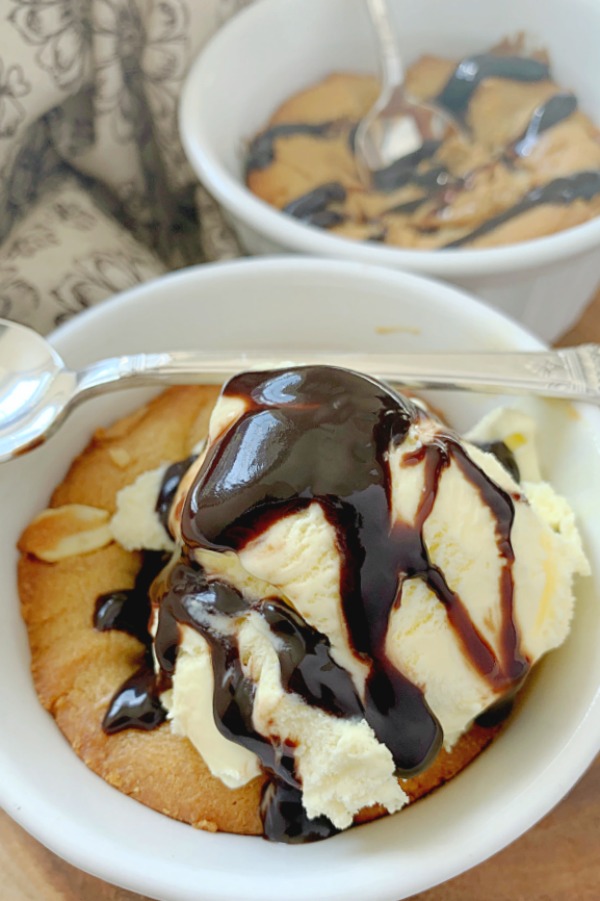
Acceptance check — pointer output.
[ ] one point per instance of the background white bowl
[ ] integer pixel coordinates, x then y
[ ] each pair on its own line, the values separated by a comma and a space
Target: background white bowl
277, 47
278, 305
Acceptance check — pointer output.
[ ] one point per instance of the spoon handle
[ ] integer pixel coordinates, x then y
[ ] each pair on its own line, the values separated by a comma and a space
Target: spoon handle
392, 68
569, 373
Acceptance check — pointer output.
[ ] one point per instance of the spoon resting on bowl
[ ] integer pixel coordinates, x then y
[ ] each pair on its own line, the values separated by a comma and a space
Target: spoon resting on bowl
398, 130
38, 391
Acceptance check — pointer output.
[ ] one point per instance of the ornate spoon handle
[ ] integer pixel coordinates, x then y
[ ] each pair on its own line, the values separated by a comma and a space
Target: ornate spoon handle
569, 373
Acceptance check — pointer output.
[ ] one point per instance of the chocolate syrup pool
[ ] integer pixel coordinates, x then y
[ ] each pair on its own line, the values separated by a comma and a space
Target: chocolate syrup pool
323, 435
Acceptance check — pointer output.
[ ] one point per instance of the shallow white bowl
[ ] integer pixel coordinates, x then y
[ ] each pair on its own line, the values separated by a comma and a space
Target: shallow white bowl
277, 47
278, 305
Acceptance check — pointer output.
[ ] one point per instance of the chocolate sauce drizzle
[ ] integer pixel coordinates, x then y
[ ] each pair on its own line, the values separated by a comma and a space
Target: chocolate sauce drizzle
261, 151
549, 114
503, 455
310, 435
502, 669
284, 817
128, 610
471, 71
312, 206
136, 704
405, 171
306, 666
168, 489
323, 434
555, 110
560, 191
437, 179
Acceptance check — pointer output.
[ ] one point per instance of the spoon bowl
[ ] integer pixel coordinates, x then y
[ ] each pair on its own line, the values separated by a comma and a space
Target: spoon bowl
35, 389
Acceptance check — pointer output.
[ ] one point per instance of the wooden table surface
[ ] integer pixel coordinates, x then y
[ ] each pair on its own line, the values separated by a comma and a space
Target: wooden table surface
557, 860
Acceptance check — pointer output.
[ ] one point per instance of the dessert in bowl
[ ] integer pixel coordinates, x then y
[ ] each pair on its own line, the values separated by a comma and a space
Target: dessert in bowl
567, 685
283, 49
520, 162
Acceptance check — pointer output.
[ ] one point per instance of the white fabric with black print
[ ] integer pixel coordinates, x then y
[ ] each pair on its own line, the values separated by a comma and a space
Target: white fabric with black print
95, 192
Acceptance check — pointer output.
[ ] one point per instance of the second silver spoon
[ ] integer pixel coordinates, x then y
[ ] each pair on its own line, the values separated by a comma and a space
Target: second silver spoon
397, 129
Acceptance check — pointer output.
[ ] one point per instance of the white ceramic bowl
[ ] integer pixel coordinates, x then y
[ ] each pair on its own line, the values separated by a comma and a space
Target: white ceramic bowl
277, 47
278, 305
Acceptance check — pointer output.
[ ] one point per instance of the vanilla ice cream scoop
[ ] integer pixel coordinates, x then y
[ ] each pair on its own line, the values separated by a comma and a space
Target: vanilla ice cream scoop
353, 585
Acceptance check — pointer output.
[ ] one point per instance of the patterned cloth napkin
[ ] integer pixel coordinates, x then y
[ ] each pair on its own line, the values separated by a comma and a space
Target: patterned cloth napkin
95, 192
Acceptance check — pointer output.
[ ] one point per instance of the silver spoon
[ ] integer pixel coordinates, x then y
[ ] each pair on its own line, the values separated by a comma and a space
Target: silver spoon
397, 127
37, 390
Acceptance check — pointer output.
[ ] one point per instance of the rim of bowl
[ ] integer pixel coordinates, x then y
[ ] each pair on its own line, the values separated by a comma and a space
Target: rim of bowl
135, 871
280, 228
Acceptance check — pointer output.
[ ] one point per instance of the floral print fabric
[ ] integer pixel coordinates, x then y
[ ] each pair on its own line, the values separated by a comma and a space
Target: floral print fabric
95, 191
